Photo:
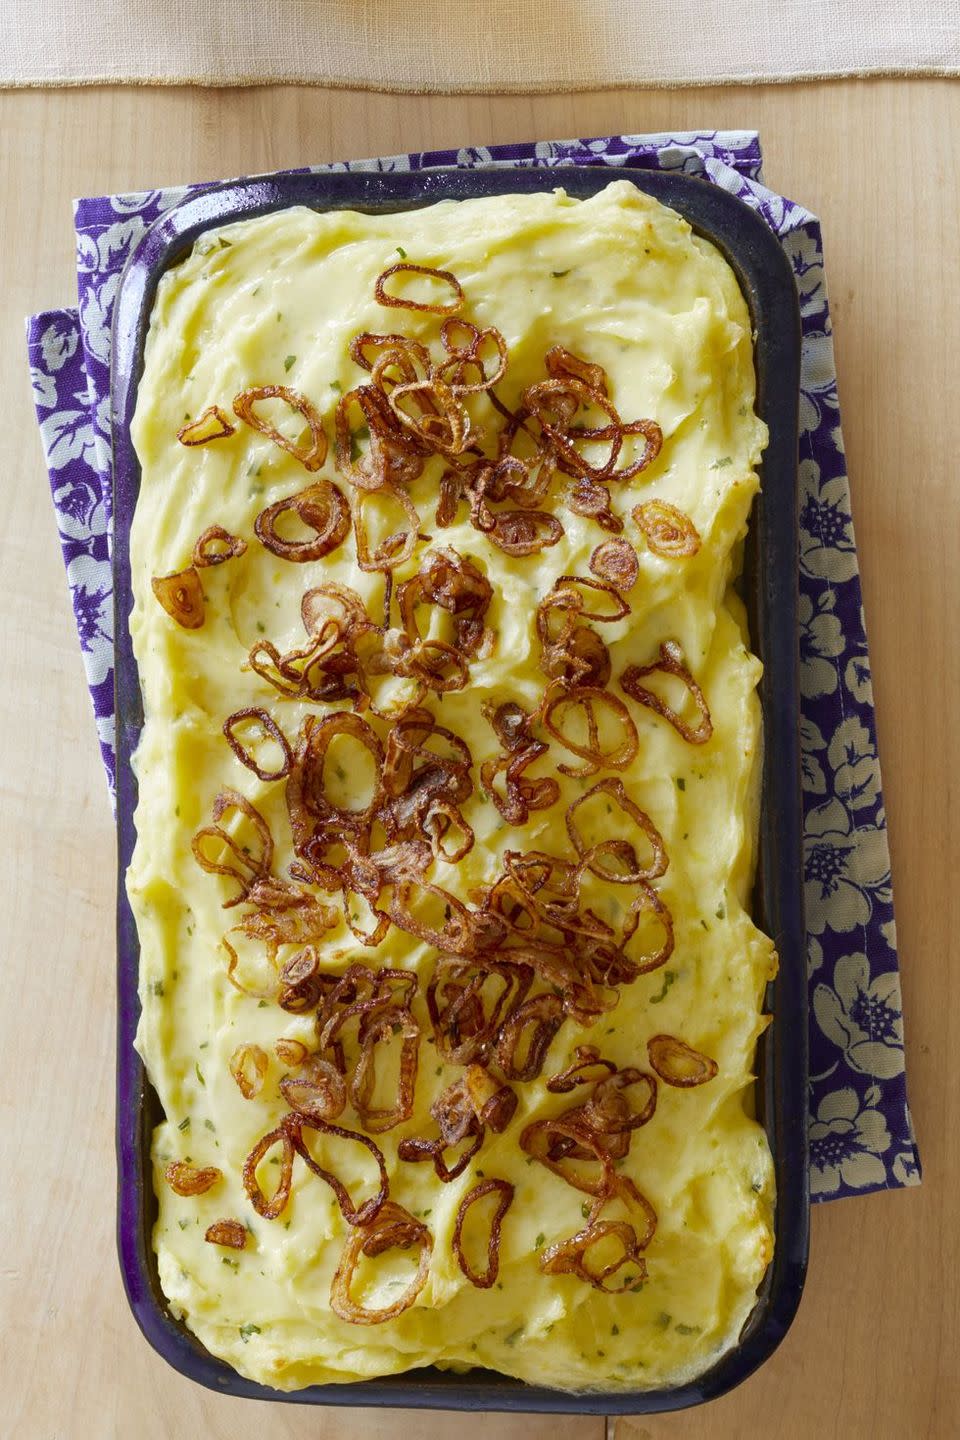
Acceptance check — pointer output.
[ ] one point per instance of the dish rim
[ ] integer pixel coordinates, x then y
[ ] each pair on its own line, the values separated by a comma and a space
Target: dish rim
770, 577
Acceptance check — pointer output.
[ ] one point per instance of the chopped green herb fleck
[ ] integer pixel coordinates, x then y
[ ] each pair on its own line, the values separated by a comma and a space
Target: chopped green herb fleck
335, 385
720, 912
261, 1004
177, 811
704, 924
687, 1329
199, 1073
183, 1224
663, 1320
279, 315
261, 627
539, 1240
225, 1260
602, 1354
559, 274
157, 987
614, 1329
209, 1124
363, 433
722, 463
681, 783
439, 1069
668, 978
480, 1173
757, 1187
340, 773
225, 244
514, 1336
247, 1330
401, 252
255, 290
585, 1209
289, 363
184, 1124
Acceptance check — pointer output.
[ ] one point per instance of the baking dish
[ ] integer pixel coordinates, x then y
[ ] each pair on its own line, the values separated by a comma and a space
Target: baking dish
769, 584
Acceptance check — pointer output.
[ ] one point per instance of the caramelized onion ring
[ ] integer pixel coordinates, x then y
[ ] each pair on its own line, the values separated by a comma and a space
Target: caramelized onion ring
269, 727
216, 535
671, 662
485, 1278
678, 1064
321, 507
404, 267
310, 455
588, 696
524, 532
584, 1069
256, 867
658, 860
231, 1233
200, 432
616, 561
270, 1209
181, 595
318, 1094
543, 1015
569, 1257
248, 1066
186, 1179
392, 1227
669, 532
352, 1214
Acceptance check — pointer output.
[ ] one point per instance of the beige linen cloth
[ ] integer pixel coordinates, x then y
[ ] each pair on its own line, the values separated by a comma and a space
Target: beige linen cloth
472, 45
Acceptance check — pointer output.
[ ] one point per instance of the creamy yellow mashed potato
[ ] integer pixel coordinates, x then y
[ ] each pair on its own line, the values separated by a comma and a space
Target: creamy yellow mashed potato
622, 282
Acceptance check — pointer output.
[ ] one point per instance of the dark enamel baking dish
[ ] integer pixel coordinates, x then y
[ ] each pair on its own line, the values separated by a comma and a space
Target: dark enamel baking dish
770, 588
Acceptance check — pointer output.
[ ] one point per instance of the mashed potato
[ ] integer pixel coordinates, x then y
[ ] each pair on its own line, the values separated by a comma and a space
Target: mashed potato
620, 281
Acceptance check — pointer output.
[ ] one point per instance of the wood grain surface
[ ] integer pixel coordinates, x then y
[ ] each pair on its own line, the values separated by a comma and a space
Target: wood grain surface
875, 1352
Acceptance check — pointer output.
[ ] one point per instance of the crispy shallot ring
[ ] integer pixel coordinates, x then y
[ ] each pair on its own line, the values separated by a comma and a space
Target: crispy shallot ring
563, 364
671, 662
587, 696
538, 1137
607, 1111
181, 595
269, 727
524, 532
353, 1214
231, 1233
275, 1206
397, 548
312, 455
402, 344
257, 868
216, 535
433, 414
312, 814
668, 531
393, 1021
233, 960
322, 507
301, 982
483, 1279
318, 611
466, 359
391, 1227
186, 1179
624, 851
201, 431
290, 1052
404, 267
651, 433
584, 1069
318, 1093
678, 1064
248, 1066
569, 1257
413, 1149
554, 403
542, 1015
520, 795
616, 562
493, 1104
464, 1023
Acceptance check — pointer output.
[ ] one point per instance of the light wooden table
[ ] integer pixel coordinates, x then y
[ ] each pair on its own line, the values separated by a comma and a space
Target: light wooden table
875, 1351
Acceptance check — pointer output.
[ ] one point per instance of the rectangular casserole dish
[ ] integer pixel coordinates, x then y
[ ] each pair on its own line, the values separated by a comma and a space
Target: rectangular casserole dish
770, 590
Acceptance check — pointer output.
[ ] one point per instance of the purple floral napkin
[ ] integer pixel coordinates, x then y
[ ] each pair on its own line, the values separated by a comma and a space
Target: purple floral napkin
860, 1129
